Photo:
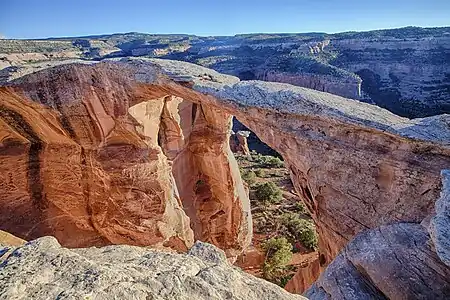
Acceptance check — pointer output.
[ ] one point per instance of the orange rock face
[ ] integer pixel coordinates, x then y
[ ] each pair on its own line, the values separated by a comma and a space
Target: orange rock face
304, 278
98, 159
124, 149
352, 178
238, 142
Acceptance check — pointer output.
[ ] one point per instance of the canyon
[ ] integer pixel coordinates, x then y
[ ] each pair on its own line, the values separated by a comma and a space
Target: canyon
404, 70
136, 151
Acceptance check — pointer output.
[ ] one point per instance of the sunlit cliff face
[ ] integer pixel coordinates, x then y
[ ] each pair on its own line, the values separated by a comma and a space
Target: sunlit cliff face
117, 153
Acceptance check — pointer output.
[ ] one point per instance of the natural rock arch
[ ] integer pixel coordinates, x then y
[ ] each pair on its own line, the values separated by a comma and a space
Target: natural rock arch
354, 165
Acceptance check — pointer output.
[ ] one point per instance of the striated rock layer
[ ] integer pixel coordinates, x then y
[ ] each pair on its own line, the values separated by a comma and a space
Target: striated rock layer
355, 166
42, 269
404, 70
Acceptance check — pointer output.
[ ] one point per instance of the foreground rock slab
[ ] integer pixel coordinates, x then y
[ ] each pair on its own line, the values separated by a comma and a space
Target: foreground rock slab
42, 269
440, 224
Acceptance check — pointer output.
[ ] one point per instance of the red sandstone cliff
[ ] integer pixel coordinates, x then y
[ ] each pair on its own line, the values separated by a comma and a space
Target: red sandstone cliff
98, 159
120, 130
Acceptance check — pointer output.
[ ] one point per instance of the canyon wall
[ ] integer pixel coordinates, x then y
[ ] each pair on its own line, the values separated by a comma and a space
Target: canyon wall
355, 166
347, 87
404, 70
97, 159
409, 76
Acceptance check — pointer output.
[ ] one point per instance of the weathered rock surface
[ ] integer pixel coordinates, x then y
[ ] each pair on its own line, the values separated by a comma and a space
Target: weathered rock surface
42, 269
398, 261
390, 262
238, 142
112, 161
439, 227
355, 166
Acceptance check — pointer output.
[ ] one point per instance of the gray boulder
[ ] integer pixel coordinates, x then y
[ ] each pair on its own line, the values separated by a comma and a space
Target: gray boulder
42, 269
389, 262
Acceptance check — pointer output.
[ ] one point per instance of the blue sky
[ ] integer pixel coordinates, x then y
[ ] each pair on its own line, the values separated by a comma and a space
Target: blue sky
51, 18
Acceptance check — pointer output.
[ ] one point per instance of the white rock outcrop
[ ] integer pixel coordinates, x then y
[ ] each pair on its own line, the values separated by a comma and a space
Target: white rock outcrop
42, 269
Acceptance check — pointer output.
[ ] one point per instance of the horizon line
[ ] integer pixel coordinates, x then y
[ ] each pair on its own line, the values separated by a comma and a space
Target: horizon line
231, 35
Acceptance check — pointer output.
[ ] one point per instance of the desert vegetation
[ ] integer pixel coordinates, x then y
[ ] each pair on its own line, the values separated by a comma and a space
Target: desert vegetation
278, 254
280, 219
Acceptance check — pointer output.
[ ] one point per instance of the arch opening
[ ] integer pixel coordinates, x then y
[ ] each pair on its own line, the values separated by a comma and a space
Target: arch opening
279, 216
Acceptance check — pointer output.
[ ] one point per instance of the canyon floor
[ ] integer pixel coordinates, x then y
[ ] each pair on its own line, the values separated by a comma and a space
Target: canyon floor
269, 219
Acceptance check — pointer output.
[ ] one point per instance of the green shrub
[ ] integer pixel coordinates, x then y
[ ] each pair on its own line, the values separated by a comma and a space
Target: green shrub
278, 254
268, 161
248, 176
300, 208
272, 162
297, 229
268, 192
260, 173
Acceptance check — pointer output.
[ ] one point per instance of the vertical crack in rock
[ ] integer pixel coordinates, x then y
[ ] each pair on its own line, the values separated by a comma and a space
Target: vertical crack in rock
193, 113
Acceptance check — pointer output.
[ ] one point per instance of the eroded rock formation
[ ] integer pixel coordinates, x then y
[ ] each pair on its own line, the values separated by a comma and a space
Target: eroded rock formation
42, 269
398, 261
113, 160
354, 165
238, 142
